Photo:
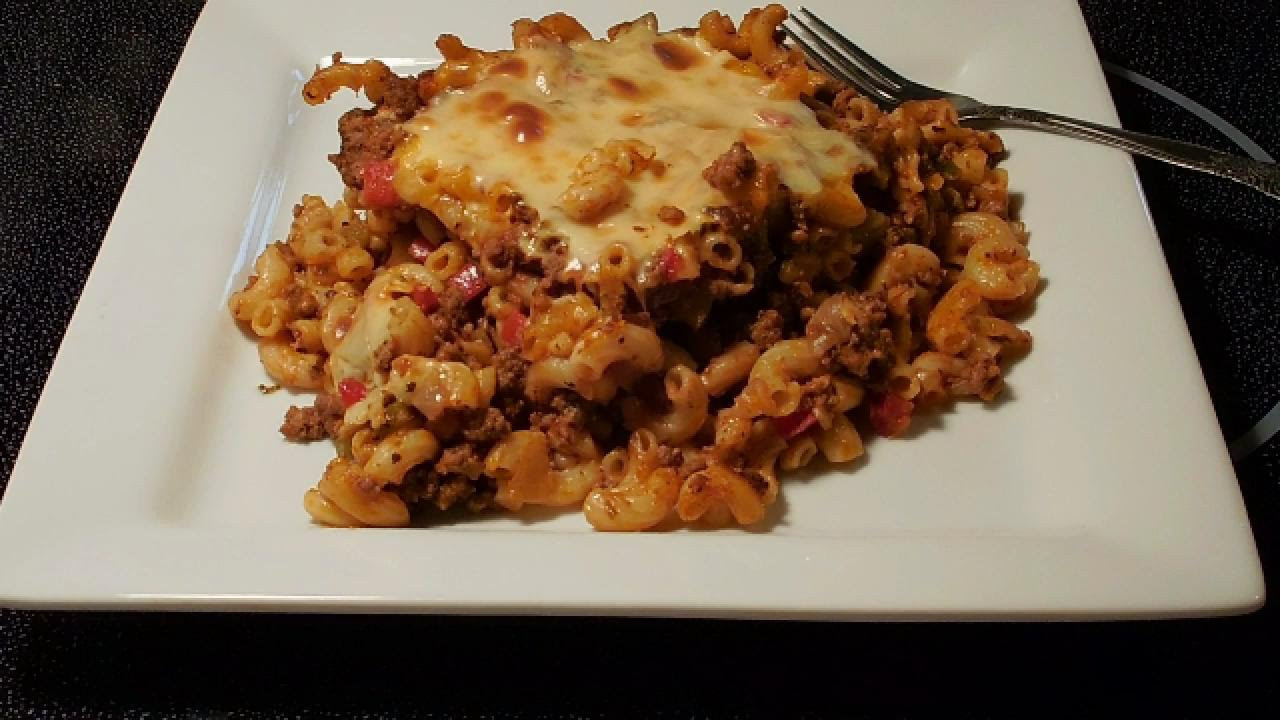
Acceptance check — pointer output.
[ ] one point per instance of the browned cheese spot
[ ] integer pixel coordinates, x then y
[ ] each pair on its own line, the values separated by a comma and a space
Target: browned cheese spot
671, 214
624, 87
527, 122
674, 56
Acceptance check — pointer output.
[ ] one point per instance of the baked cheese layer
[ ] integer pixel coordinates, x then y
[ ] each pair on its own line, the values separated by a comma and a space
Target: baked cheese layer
527, 124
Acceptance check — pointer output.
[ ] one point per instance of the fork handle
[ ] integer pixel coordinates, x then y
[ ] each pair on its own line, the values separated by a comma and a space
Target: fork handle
1263, 177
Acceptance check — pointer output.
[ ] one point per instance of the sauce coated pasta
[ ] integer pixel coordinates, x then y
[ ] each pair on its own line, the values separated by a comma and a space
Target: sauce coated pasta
640, 274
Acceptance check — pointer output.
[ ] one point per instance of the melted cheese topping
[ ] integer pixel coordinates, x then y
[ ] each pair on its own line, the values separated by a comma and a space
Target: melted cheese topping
529, 122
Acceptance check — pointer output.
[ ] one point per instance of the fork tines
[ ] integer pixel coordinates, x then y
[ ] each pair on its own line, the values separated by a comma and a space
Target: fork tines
840, 57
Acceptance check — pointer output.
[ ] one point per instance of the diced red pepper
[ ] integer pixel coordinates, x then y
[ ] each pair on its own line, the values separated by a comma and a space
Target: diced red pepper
669, 263
426, 298
789, 426
378, 191
513, 325
419, 249
469, 281
351, 391
890, 414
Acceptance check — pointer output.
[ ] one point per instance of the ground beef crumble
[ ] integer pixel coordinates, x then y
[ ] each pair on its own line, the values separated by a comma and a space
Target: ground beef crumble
303, 424
511, 370
383, 356
461, 459
452, 315
848, 330
767, 329
400, 97
331, 411
486, 426
423, 484
302, 302
562, 420
366, 137
306, 424
730, 171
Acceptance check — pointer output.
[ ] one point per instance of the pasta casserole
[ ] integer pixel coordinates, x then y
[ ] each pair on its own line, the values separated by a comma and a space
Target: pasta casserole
640, 274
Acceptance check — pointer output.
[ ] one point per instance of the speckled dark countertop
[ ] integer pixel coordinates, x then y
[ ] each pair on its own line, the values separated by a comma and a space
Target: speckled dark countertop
80, 83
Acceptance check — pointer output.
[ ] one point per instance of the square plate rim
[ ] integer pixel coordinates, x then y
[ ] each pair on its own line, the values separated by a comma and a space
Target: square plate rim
32, 552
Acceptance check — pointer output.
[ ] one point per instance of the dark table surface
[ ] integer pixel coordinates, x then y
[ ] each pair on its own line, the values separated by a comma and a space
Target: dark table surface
80, 84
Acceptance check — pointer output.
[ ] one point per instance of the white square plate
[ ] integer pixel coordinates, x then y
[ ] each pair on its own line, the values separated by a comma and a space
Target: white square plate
153, 475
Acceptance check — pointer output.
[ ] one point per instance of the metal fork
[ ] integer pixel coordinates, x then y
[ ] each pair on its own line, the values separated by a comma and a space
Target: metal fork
837, 55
